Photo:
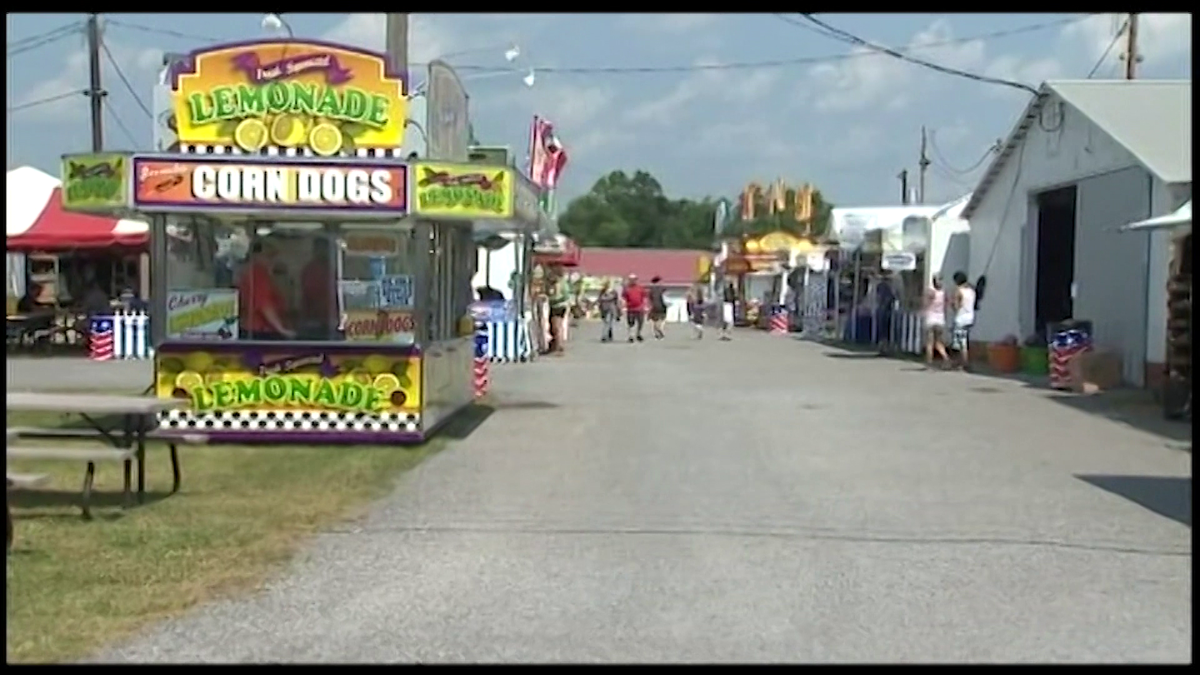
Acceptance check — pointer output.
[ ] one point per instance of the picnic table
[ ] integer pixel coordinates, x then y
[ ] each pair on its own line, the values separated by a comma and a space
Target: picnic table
137, 415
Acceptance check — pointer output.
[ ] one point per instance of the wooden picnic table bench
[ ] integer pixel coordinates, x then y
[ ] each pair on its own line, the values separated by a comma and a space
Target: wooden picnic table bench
126, 444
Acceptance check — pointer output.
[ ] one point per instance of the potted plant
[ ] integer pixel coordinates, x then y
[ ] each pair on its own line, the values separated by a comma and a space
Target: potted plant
1004, 356
1035, 358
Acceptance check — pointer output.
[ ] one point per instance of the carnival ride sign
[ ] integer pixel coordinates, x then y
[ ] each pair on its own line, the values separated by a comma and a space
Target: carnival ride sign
238, 184
323, 97
463, 191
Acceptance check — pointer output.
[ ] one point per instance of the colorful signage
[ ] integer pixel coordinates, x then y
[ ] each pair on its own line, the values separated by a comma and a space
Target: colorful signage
210, 314
95, 182
323, 97
370, 244
396, 291
232, 184
463, 191
392, 327
294, 381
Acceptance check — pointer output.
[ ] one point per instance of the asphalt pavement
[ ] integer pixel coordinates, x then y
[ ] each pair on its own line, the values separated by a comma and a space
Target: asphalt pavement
762, 500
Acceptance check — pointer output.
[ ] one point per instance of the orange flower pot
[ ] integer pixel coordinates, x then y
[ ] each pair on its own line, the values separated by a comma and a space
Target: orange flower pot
1004, 358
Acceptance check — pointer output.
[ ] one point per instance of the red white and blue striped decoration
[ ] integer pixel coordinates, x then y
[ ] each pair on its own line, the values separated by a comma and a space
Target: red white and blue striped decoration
481, 374
779, 323
100, 339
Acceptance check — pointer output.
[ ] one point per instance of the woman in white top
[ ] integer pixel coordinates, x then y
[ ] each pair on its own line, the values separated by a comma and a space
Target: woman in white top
935, 322
964, 317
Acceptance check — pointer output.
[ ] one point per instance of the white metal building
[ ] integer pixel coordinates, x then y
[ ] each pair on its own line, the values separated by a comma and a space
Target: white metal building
1125, 147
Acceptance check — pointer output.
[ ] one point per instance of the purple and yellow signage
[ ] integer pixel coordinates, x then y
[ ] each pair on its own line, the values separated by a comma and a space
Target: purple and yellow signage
327, 98
223, 184
293, 380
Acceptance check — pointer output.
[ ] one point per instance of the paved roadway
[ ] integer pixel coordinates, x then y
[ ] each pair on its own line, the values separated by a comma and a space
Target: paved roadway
759, 501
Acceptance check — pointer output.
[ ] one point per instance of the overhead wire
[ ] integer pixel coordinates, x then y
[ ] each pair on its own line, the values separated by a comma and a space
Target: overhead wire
1108, 49
44, 101
695, 67
777, 63
941, 158
852, 39
125, 80
163, 31
112, 113
42, 39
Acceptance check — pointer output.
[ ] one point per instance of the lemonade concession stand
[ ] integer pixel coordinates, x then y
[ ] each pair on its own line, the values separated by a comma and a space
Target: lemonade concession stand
289, 206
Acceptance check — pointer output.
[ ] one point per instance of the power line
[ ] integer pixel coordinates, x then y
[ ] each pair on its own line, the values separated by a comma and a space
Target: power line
41, 40
112, 113
850, 38
937, 154
125, 80
164, 31
1108, 49
44, 101
776, 63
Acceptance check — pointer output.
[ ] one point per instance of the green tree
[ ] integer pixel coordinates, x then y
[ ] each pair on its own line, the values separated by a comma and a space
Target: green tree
631, 211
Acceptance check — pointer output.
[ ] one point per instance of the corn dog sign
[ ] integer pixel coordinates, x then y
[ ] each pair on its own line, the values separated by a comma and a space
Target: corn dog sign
217, 184
327, 98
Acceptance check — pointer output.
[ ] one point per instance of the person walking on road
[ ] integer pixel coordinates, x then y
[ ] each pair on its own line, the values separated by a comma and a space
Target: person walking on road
935, 322
560, 301
610, 309
728, 298
695, 308
633, 296
658, 308
963, 305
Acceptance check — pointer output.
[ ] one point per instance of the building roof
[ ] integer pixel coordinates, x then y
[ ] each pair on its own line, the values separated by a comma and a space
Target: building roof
676, 267
1152, 119
1180, 218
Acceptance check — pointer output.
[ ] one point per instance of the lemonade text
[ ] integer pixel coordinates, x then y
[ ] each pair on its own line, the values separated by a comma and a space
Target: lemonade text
288, 390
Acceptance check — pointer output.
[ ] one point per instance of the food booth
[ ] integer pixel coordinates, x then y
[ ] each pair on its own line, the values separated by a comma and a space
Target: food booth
308, 284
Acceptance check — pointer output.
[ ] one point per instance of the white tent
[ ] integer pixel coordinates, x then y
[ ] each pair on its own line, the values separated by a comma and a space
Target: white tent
1181, 218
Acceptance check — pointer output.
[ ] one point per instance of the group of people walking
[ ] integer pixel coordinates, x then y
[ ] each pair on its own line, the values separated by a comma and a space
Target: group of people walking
960, 306
637, 303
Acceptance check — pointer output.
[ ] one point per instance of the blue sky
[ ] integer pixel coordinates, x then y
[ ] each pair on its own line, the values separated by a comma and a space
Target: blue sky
847, 125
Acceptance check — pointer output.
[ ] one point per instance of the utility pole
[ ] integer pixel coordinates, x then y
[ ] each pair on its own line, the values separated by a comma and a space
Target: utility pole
95, 92
396, 41
923, 164
903, 176
1131, 53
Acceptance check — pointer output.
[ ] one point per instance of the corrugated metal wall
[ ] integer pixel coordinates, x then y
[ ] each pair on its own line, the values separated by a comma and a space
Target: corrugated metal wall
1111, 266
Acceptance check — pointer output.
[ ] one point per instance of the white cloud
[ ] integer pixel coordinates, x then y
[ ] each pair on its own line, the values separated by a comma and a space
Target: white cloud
869, 79
669, 23
726, 87
138, 64
430, 36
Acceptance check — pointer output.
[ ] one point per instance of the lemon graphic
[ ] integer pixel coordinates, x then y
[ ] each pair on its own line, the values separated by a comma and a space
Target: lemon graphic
375, 364
287, 130
199, 361
360, 376
250, 135
387, 382
188, 380
325, 139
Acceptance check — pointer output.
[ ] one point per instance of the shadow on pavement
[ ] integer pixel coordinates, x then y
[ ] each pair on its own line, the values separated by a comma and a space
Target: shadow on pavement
1133, 407
1168, 496
462, 425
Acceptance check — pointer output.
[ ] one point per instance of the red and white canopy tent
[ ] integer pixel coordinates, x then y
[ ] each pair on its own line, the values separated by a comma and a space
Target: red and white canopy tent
36, 221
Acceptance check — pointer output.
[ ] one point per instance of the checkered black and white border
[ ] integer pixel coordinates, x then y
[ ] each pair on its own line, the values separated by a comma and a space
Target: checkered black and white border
288, 420
277, 151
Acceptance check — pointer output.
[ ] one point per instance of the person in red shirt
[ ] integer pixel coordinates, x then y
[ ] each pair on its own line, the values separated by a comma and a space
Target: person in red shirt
316, 285
260, 305
633, 296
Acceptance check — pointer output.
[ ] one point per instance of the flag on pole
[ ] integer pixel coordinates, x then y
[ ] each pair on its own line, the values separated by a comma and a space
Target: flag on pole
547, 156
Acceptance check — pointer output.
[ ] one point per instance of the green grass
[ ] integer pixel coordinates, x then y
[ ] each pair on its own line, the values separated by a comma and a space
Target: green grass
74, 586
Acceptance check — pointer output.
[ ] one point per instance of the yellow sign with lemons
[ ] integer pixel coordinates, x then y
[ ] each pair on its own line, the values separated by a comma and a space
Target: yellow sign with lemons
293, 94
314, 381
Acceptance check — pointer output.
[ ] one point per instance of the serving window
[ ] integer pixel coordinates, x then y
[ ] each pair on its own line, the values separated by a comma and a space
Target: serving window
453, 258
287, 280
